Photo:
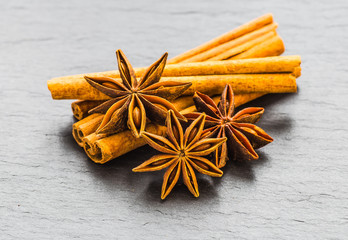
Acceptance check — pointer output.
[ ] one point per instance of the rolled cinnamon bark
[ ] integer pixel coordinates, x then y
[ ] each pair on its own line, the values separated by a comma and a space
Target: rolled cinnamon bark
105, 149
235, 43
80, 108
297, 72
241, 83
235, 33
86, 127
212, 84
76, 87
102, 150
271, 47
279, 64
243, 47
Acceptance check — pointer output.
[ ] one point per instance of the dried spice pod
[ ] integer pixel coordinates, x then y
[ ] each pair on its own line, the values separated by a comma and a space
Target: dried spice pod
134, 101
183, 152
242, 135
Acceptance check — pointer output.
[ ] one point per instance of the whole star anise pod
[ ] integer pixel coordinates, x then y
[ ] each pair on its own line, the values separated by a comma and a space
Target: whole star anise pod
242, 135
182, 152
134, 101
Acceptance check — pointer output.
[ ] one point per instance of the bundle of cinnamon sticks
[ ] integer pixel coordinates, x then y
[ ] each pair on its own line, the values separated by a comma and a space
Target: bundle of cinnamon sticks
246, 57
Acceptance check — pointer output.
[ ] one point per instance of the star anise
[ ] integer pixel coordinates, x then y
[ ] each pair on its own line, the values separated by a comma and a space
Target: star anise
182, 152
242, 135
134, 101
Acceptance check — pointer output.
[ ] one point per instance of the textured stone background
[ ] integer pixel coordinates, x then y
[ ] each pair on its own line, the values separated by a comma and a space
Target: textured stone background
50, 189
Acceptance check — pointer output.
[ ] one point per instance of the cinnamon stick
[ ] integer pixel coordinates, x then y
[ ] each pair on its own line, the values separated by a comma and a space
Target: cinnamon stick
77, 88
271, 47
241, 83
80, 108
297, 72
279, 64
243, 47
235, 43
213, 84
86, 127
235, 33
105, 149
251, 65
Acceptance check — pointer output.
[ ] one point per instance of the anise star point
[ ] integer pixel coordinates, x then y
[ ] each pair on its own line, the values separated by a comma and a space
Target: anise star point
182, 152
242, 135
134, 101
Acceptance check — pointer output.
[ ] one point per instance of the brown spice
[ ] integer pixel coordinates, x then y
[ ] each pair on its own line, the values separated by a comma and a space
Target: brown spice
242, 135
134, 101
183, 151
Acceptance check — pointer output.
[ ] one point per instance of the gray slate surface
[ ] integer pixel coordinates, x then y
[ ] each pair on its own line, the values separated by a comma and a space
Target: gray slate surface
49, 189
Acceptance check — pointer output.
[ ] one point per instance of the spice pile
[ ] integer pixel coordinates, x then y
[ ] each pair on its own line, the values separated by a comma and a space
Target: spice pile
183, 107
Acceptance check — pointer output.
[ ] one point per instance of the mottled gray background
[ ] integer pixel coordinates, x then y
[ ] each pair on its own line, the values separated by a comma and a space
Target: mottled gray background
49, 189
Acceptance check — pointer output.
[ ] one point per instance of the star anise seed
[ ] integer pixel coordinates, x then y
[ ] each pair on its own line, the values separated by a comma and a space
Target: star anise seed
242, 135
133, 101
182, 153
